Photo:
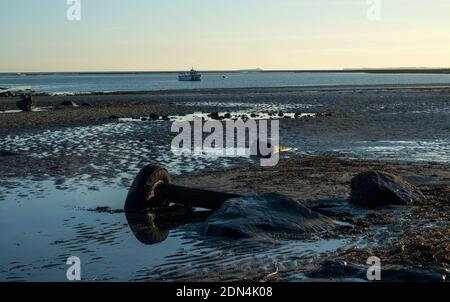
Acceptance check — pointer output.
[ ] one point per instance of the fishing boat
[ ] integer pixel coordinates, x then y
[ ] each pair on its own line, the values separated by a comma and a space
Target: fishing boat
191, 76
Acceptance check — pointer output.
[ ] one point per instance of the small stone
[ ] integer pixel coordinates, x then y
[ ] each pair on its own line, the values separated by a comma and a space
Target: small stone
154, 117
215, 116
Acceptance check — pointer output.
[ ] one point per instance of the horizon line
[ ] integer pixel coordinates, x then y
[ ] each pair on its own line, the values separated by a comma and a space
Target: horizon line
361, 69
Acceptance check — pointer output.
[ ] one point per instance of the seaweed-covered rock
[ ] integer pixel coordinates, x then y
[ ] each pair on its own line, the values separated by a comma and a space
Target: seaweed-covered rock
26, 103
375, 189
269, 215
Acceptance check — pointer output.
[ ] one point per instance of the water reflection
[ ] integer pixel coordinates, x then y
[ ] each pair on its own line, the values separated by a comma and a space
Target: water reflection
154, 226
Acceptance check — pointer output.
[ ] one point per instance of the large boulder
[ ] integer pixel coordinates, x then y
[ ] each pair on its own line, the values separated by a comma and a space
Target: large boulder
375, 189
265, 216
26, 103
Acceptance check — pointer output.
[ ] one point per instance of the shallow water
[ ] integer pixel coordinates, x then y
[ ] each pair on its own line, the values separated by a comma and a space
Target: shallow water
75, 82
51, 225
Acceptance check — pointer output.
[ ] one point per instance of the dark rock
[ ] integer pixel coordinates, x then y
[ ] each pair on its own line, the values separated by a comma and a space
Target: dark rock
69, 104
165, 118
341, 271
154, 116
4, 153
86, 104
215, 116
144, 119
60, 181
26, 103
113, 117
281, 114
376, 189
324, 114
254, 115
227, 115
265, 216
8, 94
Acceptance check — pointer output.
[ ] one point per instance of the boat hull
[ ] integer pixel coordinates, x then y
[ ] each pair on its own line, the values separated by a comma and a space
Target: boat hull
190, 78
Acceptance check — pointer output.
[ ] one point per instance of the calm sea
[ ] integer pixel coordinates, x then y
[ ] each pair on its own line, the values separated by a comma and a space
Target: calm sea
79, 82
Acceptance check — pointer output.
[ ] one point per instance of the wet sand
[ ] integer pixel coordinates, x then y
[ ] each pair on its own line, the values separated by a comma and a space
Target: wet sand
353, 101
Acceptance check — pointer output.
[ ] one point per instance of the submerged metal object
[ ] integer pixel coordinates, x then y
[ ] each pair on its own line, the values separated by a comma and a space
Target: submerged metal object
152, 189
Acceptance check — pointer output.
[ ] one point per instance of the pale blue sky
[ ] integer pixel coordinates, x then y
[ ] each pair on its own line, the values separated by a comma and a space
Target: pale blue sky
116, 35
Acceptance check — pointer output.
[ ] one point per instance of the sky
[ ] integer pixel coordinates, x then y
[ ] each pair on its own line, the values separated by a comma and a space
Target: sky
157, 35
